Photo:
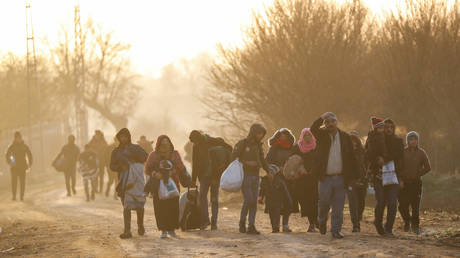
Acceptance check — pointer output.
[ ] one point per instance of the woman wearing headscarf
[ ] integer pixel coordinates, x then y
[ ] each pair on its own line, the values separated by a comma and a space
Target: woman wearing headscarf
127, 160
278, 197
166, 211
306, 187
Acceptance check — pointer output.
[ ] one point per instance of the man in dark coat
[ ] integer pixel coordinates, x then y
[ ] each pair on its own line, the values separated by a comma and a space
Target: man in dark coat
19, 158
387, 196
202, 169
335, 169
70, 153
249, 151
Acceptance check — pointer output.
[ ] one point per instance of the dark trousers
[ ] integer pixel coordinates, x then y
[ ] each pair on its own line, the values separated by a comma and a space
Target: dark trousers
100, 179
307, 195
70, 178
207, 183
386, 196
127, 219
15, 175
250, 190
410, 197
166, 213
356, 202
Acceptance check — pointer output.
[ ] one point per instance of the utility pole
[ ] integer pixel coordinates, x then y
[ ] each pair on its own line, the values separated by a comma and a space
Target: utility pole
32, 81
81, 120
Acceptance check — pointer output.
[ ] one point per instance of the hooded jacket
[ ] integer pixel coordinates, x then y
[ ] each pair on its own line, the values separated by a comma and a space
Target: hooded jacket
200, 155
249, 149
278, 155
125, 154
416, 162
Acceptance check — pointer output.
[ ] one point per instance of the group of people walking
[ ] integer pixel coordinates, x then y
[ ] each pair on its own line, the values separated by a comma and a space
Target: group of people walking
333, 164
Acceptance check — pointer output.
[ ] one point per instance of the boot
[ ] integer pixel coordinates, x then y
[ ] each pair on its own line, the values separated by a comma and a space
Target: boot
127, 221
253, 231
311, 228
406, 226
286, 229
140, 222
242, 227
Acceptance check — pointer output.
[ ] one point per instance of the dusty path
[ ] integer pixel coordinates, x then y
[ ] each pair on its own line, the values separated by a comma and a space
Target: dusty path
49, 224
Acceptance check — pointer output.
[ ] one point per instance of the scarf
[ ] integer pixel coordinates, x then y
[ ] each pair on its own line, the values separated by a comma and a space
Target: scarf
303, 146
283, 143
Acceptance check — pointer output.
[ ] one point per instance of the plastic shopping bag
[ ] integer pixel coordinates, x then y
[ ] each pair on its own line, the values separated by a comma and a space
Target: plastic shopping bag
168, 190
389, 174
232, 178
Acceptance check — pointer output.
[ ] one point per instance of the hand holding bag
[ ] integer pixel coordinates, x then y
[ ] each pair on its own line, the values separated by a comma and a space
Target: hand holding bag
232, 178
389, 174
167, 190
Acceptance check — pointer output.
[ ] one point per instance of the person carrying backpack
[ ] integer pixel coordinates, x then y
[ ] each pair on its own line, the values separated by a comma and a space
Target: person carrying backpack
209, 159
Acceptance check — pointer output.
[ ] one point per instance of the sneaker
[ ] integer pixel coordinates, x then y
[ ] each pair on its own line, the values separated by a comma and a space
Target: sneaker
275, 230
126, 235
311, 228
242, 227
337, 235
356, 229
416, 230
214, 226
389, 234
172, 234
164, 235
286, 229
253, 231
323, 228
406, 226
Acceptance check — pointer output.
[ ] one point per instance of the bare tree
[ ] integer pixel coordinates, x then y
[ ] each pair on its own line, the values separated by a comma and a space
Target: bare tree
109, 86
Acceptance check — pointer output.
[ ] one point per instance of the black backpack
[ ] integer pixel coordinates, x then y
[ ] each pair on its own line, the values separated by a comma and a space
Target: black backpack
191, 219
219, 159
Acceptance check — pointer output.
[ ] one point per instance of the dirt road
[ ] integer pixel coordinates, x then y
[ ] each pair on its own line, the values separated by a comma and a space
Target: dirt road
49, 224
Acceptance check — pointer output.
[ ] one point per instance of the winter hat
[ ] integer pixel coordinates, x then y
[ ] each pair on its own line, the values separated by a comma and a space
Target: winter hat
377, 122
412, 134
331, 116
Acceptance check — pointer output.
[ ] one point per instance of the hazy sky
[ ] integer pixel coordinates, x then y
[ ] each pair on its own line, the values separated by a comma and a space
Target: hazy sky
160, 31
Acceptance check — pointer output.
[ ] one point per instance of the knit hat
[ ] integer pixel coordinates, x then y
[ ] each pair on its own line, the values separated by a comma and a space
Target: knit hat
412, 134
377, 122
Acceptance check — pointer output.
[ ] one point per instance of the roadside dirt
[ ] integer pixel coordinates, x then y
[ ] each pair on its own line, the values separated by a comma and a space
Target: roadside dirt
49, 224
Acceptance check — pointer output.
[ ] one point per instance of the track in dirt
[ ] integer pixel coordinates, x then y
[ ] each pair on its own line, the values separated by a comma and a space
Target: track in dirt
49, 224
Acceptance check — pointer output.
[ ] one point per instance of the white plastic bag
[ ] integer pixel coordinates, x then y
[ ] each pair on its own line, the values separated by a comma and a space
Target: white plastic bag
167, 191
389, 174
232, 178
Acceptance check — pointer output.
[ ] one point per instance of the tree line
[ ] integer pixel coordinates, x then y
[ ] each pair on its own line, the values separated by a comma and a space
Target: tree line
301, 58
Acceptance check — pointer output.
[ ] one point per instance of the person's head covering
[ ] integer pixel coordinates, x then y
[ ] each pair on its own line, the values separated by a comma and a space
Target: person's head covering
256, 129
284, 143
197, 136
331, 116
412, 134
377, 122
304, 146
125, 132
160, 139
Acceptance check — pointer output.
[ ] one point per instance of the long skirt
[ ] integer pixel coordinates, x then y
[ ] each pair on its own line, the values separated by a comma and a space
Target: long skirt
306, 192
166, 213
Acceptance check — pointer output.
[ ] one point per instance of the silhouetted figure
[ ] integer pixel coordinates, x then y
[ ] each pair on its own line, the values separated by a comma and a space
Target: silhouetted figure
145, 144
416, 165
128, 161
202, 168
70, 153
250, 153
19, 158
99, 145
89, 170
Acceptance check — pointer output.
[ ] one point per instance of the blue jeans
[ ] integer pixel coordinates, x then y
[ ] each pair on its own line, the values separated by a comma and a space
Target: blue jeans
250, 191
205, 184
332, 194
386, 196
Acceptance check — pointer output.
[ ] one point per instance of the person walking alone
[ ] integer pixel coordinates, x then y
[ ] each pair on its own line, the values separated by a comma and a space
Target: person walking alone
19, 158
